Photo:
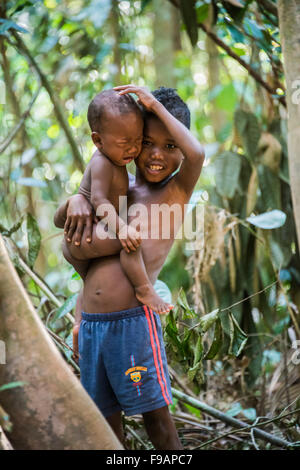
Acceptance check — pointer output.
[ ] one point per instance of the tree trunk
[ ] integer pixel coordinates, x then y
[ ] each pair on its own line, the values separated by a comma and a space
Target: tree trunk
289, 23
163, 47
51, 410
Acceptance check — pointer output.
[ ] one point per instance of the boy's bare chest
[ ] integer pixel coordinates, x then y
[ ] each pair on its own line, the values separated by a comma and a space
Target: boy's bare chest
160, 211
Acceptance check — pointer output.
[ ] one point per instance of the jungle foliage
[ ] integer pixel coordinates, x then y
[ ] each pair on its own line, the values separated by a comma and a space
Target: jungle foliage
230, 338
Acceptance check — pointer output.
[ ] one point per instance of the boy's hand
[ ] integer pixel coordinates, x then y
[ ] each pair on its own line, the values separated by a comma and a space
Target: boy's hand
145, 97
79, 214
129, 237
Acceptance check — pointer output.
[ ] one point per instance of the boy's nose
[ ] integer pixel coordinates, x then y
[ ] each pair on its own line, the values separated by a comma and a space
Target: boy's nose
157, 153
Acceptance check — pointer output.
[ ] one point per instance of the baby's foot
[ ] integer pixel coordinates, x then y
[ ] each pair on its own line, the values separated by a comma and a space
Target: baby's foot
147, 295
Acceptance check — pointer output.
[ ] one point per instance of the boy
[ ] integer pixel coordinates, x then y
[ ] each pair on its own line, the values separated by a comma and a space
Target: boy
137, 329
117, 132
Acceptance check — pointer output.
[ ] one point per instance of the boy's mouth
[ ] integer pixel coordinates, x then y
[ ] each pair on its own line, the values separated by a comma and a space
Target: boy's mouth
155, 168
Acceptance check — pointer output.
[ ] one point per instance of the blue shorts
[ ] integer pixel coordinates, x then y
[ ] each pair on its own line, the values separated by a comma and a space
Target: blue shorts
123, 362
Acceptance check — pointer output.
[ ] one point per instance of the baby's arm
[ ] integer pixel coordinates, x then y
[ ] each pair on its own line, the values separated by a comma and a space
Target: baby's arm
101, 180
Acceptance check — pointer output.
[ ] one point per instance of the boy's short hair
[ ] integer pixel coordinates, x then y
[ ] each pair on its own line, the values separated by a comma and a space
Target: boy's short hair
174, 104
109, 100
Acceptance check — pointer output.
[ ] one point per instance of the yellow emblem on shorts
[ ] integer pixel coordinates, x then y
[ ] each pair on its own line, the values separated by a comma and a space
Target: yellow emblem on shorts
135, 376
135, 373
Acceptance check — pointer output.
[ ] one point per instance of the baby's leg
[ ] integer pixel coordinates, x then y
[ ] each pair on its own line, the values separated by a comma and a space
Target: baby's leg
134, 267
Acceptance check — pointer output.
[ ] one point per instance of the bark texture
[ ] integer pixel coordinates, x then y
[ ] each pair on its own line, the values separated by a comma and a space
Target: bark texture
289, 22
52, 410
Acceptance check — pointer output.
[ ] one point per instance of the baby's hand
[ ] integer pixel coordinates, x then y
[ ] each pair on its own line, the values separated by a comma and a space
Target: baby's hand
129, 237
145, 97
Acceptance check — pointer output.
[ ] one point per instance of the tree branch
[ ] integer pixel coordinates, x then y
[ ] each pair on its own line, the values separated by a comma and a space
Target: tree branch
57, 106
6, 142
231, 421
232, 54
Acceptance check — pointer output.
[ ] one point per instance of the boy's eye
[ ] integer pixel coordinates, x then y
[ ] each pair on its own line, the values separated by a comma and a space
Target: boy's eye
171, 146
146, 143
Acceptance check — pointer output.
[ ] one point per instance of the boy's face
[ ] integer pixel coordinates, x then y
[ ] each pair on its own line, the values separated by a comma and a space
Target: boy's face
121, 137
160, 154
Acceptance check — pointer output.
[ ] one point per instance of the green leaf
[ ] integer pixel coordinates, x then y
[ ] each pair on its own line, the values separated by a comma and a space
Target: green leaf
172, 333
248, 127
238, 338
202, 12
250, 413
183, 303
34, 239
268, 220
226, 98
209, 319
12, 385
7, 232
217, 341
163, 291
227, 166
67, 306
234, 410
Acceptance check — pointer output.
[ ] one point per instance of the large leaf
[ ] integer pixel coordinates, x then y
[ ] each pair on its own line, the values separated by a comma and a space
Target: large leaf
67, 306
34, 239
208, 320
227, 166
238, 338
268, 220
217, 341
248, 128
183, 303
163, 291
189, 16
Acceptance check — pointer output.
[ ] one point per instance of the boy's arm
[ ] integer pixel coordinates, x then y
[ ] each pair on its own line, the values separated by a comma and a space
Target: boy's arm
192, 150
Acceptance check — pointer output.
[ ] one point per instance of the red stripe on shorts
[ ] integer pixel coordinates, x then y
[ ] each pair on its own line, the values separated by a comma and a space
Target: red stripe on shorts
159, 353
154, 355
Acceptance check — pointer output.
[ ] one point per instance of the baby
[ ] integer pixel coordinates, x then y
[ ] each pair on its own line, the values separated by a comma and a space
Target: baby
116, 123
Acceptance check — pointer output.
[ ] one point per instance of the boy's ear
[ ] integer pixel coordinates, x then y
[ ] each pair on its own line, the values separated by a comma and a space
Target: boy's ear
97, 140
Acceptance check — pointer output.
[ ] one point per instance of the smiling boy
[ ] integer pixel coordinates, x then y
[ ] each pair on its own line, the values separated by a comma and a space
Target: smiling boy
128, 358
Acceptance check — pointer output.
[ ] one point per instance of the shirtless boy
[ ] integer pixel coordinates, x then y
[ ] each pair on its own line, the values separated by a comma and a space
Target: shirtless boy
117, 132
133, 334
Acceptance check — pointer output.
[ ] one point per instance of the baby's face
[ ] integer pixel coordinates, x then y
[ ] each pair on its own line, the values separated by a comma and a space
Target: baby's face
121, 137
160, 155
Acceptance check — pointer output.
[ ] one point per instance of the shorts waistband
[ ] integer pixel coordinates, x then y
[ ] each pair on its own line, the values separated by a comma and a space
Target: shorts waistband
132, 312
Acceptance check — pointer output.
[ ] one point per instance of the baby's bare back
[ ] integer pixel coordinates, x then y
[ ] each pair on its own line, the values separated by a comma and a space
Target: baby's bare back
119, 180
